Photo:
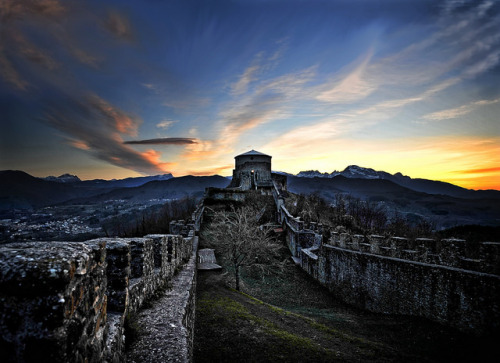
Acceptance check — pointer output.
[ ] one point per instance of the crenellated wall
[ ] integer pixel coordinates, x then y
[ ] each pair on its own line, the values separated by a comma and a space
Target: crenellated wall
449, 280
68, 301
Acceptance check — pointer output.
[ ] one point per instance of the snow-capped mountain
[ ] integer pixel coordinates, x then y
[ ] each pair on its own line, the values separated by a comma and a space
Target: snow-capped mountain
315, 174
352, 171
65, 178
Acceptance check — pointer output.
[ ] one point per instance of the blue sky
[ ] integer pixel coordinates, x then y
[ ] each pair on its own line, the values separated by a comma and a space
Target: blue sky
110, 89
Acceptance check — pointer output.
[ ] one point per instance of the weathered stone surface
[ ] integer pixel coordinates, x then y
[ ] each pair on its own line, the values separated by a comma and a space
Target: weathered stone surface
52, 301
465, 299
55, 296
166, 329
448, 281
206, 260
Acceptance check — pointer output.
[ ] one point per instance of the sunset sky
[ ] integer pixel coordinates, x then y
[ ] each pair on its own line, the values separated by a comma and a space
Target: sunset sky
112, 89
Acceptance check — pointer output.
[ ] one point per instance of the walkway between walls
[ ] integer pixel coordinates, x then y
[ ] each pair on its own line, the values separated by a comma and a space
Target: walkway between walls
166, 329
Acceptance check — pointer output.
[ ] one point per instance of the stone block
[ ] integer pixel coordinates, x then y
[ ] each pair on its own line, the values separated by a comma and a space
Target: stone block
344, 239
490, 254
398, 244
356, 240
52, 301
451, 250
375, 242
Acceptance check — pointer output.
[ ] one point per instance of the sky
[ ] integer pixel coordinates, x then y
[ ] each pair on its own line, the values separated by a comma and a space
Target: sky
115, 89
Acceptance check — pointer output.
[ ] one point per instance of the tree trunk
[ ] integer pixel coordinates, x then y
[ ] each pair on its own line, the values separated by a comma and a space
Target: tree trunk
237, 277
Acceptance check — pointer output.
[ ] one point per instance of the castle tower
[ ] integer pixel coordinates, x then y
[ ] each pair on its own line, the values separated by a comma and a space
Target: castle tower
252, 171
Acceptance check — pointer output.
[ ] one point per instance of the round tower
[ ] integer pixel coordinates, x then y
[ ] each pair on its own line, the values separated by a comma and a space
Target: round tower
252, 171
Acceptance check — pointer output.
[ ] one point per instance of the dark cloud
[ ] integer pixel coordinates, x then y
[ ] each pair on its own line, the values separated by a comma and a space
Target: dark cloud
118, 25
43, 66
34, 54
18, 9
10, 75
164, 141
94, 125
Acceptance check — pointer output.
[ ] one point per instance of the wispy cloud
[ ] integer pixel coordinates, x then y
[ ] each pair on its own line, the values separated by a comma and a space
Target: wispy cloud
462, 47
165, 124
10, 74
15, 9
458, 111
216, 170
269, 101
34, 54
163, 141
351, 87
17, 44
245, 79
119, 26
116, 118
480, 171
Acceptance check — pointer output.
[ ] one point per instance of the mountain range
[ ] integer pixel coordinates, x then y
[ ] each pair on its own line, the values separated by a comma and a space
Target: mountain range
419, 198
420, 185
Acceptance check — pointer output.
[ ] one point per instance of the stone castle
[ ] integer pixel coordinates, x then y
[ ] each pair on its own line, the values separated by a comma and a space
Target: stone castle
68, 301
252, 171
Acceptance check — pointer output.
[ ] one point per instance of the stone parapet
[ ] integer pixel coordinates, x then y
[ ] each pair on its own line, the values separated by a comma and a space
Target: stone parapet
446, 280
53, 301
446, 252
67, 301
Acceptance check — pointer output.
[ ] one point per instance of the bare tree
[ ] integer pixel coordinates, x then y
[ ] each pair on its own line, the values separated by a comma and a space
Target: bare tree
242, 242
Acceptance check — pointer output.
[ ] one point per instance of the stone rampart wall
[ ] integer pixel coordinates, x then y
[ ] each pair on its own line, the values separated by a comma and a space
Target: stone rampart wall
467, 300
449, 280
68, 301
215, 195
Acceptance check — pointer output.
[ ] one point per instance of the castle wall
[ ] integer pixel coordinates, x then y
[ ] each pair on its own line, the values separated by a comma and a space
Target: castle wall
465, 299
251, 172
255, 162
68, 301
441, 280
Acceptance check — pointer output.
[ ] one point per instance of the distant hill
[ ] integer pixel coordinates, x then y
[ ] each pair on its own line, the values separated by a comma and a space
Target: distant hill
173, 188
419, 185
125, 183
445, 210
447, 204
19, 190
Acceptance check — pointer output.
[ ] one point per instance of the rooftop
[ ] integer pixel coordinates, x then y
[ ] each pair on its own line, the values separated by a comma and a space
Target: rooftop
252, 152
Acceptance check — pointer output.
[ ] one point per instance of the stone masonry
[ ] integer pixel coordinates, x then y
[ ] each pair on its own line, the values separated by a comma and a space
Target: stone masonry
68, 301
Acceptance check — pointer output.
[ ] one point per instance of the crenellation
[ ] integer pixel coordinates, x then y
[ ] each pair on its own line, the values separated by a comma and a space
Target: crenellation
490, 253
67, 301
52, 300
450, 250
398, 244
420, 277
357, 242
159, 249
375, 242
344, 240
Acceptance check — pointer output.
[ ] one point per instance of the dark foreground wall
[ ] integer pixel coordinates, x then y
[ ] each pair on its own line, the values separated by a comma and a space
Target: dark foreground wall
68, 301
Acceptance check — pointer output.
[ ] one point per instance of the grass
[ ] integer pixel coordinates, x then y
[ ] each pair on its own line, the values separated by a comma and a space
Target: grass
289, 317
236, 322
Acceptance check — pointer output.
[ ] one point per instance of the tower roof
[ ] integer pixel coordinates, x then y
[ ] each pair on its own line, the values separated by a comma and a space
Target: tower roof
252, 152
